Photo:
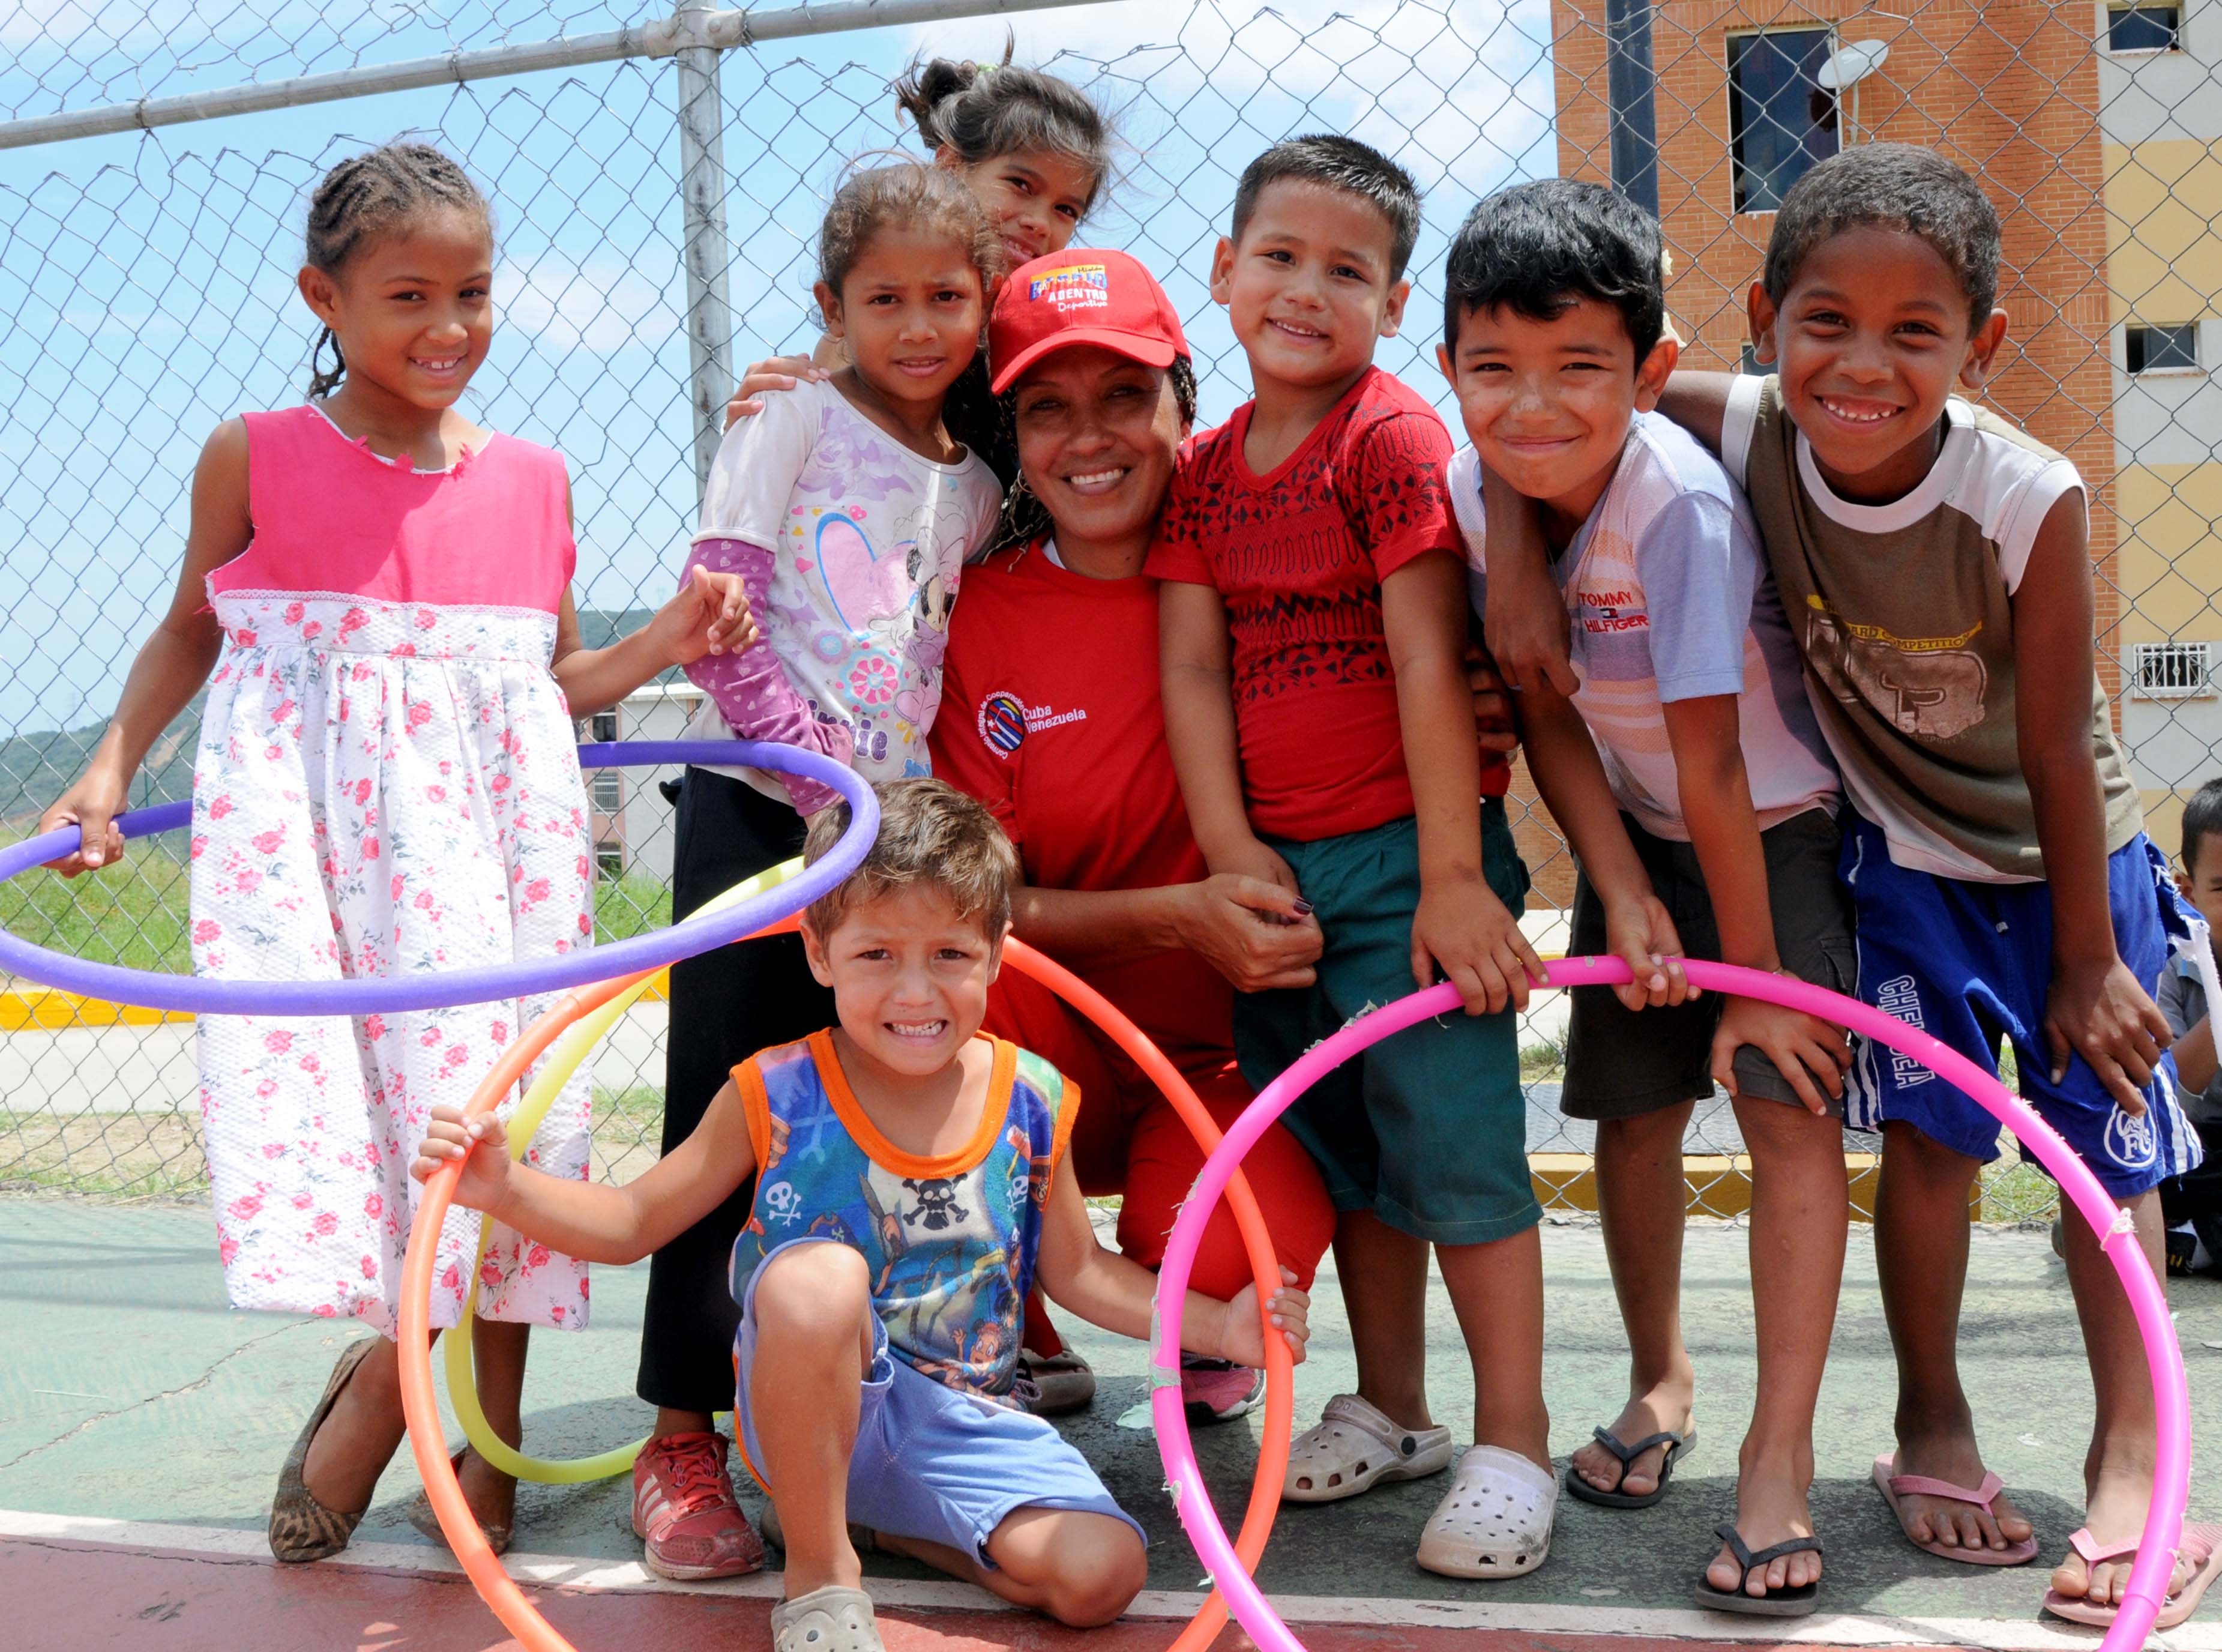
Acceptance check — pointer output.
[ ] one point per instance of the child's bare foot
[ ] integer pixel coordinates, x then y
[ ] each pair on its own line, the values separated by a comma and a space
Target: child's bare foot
2120, 1493
1771, 1508
491, 1493
1948, 1452
1663, 1409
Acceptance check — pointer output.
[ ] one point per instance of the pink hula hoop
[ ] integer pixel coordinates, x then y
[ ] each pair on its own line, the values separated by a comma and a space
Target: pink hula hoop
2163, 1530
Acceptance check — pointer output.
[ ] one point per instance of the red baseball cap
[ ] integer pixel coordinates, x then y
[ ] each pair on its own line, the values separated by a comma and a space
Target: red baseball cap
1080, 296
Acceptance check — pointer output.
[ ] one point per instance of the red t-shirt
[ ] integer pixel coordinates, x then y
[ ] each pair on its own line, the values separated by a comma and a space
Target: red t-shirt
1298, 556
1050, 715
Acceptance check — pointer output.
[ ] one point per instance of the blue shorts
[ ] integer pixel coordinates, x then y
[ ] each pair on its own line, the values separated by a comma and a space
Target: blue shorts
931, 1461
1971, 964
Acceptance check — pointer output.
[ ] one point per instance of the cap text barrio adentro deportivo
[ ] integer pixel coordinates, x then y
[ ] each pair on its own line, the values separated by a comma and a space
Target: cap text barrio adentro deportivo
1080, 296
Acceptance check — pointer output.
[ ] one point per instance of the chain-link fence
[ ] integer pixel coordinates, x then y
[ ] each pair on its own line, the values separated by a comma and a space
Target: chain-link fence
146, 274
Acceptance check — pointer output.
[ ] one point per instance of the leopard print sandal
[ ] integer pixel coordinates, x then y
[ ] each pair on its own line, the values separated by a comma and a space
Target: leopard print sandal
302, 1528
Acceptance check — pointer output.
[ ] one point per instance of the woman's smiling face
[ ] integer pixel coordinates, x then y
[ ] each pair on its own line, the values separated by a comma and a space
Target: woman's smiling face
1097, 435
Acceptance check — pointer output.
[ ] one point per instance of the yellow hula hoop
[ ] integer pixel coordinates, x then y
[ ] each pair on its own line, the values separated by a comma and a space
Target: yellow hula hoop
564, 1060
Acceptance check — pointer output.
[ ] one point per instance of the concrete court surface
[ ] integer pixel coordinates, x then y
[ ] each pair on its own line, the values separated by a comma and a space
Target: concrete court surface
142, 1424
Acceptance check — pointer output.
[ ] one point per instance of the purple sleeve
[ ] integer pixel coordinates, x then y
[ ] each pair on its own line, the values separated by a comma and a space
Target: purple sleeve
752, 689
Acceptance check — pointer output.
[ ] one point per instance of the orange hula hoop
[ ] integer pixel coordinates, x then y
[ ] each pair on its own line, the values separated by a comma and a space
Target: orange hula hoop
427, 1430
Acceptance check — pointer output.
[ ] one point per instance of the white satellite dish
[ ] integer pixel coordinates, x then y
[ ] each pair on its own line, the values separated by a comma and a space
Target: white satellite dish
1849, 64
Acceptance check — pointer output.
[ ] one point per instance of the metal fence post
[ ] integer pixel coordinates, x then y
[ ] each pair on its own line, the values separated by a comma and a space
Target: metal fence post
702, 194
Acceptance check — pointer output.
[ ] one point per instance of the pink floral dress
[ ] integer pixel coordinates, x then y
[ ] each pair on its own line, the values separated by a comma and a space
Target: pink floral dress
386, 783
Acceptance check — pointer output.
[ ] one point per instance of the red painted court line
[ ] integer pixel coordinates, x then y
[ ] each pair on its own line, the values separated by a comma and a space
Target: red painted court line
73, 1597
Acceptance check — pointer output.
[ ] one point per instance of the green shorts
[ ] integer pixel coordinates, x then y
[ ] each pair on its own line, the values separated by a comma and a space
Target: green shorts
1428, 1129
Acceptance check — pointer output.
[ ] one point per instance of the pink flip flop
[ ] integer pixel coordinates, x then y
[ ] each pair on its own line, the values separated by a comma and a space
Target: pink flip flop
2202, 1547
1893, 1485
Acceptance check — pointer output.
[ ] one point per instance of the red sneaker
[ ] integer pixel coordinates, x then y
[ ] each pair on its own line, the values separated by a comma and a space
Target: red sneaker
684, 1510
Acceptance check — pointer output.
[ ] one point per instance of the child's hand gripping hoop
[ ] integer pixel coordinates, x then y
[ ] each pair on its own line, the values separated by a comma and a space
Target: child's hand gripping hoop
2149, 1577
386, 994
589, 1014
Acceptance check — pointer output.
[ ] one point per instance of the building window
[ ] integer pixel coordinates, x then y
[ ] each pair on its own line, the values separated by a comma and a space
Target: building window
2143, 28
605, 725
2174, 670
609, 791
2162, 349
609, 859
1780, 120
1749, 362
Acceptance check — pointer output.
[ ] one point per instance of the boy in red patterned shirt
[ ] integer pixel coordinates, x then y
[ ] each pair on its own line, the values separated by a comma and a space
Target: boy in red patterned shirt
1313, 623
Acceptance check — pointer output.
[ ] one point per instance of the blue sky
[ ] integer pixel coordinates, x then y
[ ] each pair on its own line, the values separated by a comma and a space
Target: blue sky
147, 278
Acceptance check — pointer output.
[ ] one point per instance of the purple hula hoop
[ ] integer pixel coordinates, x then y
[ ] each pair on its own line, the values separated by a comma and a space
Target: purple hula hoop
205, 995
2163, 1530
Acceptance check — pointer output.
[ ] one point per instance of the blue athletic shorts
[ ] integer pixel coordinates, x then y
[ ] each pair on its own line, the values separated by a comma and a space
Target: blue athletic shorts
1971, 964
932, 1462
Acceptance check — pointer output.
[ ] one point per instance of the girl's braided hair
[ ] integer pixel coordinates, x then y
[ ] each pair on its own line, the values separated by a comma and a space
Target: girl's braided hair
372, 194
980, 110
1025, 519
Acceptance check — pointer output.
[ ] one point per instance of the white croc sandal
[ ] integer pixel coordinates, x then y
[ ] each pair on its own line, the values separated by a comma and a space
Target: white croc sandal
832, 1619
1354, 1447
1496, 1520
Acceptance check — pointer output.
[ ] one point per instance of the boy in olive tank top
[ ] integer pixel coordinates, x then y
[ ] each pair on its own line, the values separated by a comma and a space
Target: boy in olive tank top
1935, 565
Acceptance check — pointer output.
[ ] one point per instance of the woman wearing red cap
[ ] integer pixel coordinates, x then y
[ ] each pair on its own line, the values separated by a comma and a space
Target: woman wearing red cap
1049, 715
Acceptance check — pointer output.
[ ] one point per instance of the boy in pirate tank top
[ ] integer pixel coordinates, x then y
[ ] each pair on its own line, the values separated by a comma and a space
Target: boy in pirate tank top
907, 1194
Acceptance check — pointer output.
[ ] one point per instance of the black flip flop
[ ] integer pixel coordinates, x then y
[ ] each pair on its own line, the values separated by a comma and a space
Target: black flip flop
1775, 1602
1676, 1446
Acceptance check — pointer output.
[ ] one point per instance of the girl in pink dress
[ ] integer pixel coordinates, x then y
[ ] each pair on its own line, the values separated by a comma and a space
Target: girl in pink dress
386, 783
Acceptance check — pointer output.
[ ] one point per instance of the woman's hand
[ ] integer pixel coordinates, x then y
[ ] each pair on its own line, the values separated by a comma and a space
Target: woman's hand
709, 615
1257, 934
92, 806
780, 372
484, 1181
1242, 1340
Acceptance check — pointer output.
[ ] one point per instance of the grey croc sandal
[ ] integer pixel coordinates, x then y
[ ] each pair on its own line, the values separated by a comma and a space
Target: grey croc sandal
1354, 1447
832, 1619
1678, 1447
302, 1528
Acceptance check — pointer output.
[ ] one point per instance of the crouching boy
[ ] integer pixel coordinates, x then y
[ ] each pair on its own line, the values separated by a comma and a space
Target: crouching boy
907, 1196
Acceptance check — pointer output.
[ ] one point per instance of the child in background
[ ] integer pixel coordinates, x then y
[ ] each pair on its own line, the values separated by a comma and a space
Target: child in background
2191, 1203
1036, 151
1326, 746
1936, 562
908, 1188
386, 783
848, 512
1554, 300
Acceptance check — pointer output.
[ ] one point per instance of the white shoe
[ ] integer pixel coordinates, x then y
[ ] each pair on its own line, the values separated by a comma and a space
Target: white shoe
1354, 1447
1496, 1520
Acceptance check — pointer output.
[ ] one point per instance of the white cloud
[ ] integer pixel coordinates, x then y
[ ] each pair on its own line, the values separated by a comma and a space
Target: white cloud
600, 304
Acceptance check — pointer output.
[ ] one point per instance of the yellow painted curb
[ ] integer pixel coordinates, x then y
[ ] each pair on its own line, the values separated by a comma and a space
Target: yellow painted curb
1716, 1184
42, 1009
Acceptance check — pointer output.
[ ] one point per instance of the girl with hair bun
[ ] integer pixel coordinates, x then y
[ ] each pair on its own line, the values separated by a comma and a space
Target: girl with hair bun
1037, 152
